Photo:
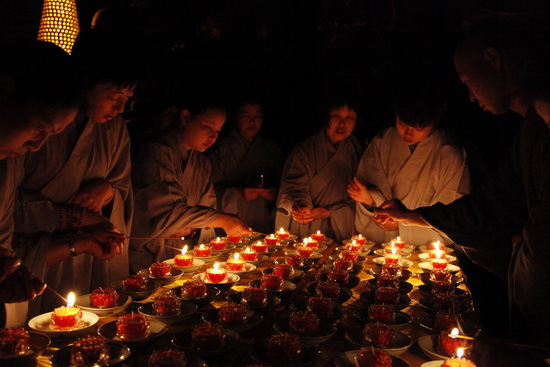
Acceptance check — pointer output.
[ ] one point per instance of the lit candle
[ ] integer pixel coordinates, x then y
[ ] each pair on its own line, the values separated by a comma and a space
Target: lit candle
398, 242
437, 245
282, 234
349, 255
233, 239
439, 262
310, 242
319, 237
259, 246
217, 244
183, 259
203, 251
271, 240
249, 254
353, 246
216, 274
235, 263
305, 251
359, 239
459, 361
393, 257
451, 343
67, 317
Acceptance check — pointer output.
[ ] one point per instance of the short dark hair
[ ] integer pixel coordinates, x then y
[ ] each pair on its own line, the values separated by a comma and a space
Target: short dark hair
43, 74
420, 107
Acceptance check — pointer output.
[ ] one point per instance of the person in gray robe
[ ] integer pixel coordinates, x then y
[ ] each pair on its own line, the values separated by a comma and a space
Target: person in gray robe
312, 194
246, 169
174, 194
414, 161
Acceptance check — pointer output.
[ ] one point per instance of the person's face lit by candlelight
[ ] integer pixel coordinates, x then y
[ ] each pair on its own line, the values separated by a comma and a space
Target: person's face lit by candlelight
249, 120
411, 135
199, 132
341, 123
106, 100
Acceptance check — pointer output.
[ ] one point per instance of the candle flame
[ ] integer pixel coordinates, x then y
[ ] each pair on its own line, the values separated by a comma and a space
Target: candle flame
182, 238
359, 235
236, 256
218, 239
247, 249
436, 245
398, 239
454, 333
460, 352
394, 251
438, 253
353, 242
70, 299
216, 266
318, 232
184, 250
282, 230
201, 246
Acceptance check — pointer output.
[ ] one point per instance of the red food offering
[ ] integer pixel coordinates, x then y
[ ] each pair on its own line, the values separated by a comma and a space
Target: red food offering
104, 297
271, 240
193, 289
14, 341
320, 306
381, 312
160, 270
449, 344
282, 234
233, 239
232, 314
203, 251
328, 289
445, 320
338, 275
254, 297
183, 260
318, 236
304, 323
249, 254
90, 351
349, 255
379, 334
373, 357
66, 317
218, 244
132, 326
359, 239
305, 251
272, 282
444, 301
285, 347
208, 336
441, 275
394, 270
167, 358
294, 260
387, 281
135, 283
310, 242
259, 246
166, 304
283, 270
386, 295
342, 263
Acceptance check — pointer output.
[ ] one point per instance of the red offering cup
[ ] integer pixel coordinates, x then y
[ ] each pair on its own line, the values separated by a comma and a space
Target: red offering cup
160, 270
440, 275
305, 251
102, 298
259, 246
442, 287
132, 326
66, 317
218, 244
386, 295
444, 301
353, 246
208, 336
304, 323
394, 270
392, 259
382, 313
338, 275
249, 254
167, 358
193, 289
233, 239
285, 347
439, 264
359, 239
14, 341
282, 234
433, 246
294, 260
272, 282
135, 283
319, 237
320, 306
379, 334
342, 263
387, 281
369, 356
232, 314
166, 304
254, 297
310, 242
90, 351
350, 255
183, 260
446, 320
328, 289
399, 243
449, 342
216, 274
203, 251
271, 240
284, 270
235, 263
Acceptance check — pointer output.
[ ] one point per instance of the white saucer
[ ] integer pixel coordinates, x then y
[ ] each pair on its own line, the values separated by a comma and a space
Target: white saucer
427, 265
424, 248
42, 323
248, 267
425, 256
197, 263
108, 331
83, 302
403, 262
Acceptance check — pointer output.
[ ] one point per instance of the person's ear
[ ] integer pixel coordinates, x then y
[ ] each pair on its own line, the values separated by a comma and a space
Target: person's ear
6, 85
185, 116
492, 56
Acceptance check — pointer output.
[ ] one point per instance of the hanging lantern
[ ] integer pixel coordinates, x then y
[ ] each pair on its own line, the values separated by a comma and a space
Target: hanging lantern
59, 23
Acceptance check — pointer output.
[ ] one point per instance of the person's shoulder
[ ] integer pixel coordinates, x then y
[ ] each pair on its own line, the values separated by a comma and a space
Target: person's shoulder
450, 145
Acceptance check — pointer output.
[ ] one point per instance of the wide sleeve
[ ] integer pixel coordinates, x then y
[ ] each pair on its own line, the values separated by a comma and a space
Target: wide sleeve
295, 182
454, 178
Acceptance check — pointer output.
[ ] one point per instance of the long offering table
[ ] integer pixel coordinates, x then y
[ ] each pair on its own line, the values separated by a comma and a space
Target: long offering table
330, 352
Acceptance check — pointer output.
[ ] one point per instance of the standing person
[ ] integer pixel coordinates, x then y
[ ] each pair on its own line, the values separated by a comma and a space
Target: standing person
516, 201
312, 193
174, 193
40, 97
87, 165
414, 161
246, 169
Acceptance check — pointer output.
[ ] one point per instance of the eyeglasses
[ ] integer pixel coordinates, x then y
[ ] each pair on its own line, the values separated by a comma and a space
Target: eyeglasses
335, 119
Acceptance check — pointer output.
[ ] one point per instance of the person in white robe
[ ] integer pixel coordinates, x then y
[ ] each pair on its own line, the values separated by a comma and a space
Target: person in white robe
413, 161
246, 168
173, 190
87, 165
312, 194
